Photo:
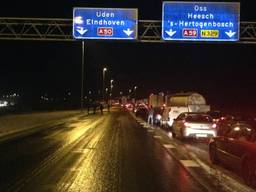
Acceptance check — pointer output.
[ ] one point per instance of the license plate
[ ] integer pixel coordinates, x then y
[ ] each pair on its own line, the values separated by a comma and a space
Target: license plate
201, 135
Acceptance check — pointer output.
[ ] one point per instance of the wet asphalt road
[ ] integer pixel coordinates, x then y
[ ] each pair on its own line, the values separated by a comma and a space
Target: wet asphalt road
96, 153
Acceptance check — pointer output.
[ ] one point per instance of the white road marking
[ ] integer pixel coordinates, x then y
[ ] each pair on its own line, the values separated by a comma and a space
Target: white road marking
157, 137
169, 146
150, 130
189, 163
146, 126
81, 151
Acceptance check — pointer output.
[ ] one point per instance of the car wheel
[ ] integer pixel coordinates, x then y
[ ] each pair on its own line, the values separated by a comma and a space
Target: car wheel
181, 135
174, 135
247, 172
213, 154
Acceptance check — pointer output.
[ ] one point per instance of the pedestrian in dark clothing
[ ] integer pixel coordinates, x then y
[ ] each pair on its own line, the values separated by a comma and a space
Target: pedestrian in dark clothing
101, 108
108, 107
88, 109
151, 115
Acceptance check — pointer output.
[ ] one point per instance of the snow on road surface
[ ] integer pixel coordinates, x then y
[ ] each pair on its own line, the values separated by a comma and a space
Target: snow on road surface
11, 124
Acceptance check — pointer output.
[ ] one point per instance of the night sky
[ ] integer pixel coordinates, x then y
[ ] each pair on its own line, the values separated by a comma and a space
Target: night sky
223, 72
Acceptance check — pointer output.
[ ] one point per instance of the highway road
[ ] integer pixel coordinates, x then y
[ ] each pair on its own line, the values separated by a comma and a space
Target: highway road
100, 153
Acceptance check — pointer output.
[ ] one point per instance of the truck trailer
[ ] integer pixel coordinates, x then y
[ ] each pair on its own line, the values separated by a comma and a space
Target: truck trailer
183, 102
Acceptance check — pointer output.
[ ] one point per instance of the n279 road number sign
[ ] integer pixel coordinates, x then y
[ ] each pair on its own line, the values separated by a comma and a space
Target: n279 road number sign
105, 23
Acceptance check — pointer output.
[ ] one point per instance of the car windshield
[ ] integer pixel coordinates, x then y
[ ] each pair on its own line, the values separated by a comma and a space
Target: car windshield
198, 118
158, 110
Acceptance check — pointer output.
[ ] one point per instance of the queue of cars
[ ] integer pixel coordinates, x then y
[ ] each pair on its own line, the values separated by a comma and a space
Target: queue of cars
186, 125
143, 112
232, 139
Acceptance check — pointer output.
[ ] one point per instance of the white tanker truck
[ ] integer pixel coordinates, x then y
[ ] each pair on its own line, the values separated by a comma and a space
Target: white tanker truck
183, 102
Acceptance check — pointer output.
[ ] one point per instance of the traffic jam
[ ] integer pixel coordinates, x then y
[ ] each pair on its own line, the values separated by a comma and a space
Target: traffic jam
224, 140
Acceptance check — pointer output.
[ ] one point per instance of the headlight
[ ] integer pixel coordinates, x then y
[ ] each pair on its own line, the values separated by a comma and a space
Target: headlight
158, 117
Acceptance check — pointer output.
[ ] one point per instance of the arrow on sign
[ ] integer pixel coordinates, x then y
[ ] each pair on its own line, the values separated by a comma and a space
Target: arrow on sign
128, 32
230, 33
170, 32
81, 30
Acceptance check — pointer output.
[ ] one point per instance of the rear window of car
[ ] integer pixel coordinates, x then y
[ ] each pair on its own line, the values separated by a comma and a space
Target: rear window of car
158, 110
241, 132
198, 118
215, 114
143, 109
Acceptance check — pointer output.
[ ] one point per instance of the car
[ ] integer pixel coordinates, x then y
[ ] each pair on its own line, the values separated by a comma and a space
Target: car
237, 117
142, 112
216, 115
235, 147
129, 106
195, 125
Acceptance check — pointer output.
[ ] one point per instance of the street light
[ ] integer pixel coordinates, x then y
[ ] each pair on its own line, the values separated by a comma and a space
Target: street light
103, 81
111, 84
106, 93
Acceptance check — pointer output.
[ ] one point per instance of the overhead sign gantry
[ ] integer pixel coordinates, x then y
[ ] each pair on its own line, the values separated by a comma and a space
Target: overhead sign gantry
105, 23
49, 29
200, 21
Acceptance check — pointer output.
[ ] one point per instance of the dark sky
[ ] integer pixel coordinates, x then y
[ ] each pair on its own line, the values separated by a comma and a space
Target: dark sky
223, 72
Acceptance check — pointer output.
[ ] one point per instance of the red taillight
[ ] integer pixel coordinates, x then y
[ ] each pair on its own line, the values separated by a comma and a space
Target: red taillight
214, 125
216, 120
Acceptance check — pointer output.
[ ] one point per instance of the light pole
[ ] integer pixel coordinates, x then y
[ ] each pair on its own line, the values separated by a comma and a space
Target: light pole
82, 78
135, 89
111, 88
111, 84
106, 94
130, 93
103, 82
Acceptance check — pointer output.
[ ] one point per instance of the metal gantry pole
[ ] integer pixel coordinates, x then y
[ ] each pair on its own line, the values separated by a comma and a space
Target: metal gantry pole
103, 84
82, 79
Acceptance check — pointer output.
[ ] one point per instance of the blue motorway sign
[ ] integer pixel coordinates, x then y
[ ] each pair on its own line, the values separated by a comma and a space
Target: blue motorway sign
201, 21
105, 23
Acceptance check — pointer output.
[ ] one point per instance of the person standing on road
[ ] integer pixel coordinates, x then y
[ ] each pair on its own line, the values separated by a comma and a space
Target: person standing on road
101, 108
151, 115
108, 107
94, 108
